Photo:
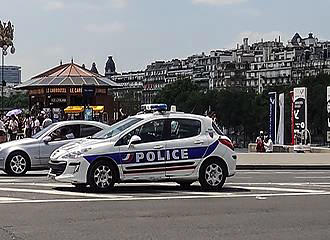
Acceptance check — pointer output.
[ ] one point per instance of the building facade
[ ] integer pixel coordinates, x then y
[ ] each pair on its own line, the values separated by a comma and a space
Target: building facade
11, 75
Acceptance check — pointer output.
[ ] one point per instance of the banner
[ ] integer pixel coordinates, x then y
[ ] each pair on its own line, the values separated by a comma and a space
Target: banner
280, 131
272, 115
292, 117
300, 110
328, 114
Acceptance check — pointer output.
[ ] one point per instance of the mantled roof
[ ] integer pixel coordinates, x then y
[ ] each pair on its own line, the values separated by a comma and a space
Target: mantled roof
69, 74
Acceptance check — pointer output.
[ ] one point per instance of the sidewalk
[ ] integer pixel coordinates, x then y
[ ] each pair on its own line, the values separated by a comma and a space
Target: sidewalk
283, 161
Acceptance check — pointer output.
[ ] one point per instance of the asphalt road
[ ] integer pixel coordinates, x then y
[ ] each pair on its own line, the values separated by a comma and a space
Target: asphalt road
253, 205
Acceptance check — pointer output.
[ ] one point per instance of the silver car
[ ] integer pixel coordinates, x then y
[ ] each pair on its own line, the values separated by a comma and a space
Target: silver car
17, 157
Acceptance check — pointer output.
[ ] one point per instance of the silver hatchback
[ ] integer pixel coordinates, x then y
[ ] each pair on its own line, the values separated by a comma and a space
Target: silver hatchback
17, 157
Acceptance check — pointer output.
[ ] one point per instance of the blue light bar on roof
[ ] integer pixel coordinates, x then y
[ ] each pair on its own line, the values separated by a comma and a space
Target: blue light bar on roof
154, 107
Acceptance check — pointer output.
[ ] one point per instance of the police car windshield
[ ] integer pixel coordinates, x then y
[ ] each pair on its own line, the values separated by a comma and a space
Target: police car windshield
116, 128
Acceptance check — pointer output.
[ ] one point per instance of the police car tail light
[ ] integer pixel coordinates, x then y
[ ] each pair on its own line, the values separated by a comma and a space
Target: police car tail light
227, 143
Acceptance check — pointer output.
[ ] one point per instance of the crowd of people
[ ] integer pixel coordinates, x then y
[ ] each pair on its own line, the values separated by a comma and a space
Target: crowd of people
22, 125
264, 143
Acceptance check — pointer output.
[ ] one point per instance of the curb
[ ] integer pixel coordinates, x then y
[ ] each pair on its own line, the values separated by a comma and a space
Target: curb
283, 167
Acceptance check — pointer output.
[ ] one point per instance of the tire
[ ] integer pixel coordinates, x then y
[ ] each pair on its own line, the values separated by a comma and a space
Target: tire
185, 184
102, 176
212, 175
17, 164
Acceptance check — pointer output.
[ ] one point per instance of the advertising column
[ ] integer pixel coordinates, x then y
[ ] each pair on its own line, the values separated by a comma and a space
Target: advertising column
300, 112
328, 114
272, 115
292, 117
280, 131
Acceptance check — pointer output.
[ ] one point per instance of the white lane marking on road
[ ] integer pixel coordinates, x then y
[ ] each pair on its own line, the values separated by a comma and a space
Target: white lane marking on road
282, 189
55, 192
168, 198
319, 177
3, 199
44, 184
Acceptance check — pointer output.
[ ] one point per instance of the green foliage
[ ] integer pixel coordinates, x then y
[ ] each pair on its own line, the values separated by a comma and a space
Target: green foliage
16, 101
245, 113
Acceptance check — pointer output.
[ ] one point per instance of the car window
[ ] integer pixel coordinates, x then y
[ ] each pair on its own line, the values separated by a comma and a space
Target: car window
66, 133
152, 131
116, 128
184, 128
88, 130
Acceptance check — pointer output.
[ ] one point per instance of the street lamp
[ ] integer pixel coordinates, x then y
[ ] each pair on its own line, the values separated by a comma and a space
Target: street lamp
6, 41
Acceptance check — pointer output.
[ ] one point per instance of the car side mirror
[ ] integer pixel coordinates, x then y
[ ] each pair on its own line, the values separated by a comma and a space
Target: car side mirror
134, 140
47, 139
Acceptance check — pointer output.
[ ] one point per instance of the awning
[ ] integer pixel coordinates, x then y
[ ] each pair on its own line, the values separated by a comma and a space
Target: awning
80, 109
97, 108
74, 109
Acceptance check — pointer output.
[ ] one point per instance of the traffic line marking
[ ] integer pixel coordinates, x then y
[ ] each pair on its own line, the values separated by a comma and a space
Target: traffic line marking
56, 192
260, 196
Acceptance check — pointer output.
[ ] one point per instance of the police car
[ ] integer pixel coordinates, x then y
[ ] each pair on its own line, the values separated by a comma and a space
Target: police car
155, 145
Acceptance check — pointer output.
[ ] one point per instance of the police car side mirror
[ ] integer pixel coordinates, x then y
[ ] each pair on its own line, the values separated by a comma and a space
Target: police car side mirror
134, 140
47, 139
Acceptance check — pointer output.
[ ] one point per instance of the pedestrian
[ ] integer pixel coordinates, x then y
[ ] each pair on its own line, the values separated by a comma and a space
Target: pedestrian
36, 125
268, 143
47, 122
260, 142
28, 126
3, 132
12, 128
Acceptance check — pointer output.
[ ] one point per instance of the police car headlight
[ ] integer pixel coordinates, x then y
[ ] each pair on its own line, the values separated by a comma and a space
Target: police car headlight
76, 154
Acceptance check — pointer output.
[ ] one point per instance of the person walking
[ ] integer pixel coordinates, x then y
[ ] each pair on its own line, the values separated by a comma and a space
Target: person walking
47, 122
13, 128
28, 125
268, 143
260, 142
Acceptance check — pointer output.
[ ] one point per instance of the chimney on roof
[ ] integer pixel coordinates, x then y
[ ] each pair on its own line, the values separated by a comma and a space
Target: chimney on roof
61, 62
83, 66
245, 44
279, 38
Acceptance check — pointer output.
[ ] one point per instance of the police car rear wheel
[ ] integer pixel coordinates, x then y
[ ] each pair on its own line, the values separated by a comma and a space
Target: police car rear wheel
102, 177
212, 175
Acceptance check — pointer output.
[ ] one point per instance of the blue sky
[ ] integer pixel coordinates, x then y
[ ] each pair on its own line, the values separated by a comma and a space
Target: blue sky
137, 32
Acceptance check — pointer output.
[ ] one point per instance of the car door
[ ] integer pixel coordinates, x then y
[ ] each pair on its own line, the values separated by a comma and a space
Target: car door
145, 159
59, 137
186, 146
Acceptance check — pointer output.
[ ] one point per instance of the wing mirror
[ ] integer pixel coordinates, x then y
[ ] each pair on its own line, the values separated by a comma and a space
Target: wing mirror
134, 140
47, 139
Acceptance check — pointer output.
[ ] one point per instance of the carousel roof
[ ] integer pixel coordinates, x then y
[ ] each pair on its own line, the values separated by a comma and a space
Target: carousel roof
69, 74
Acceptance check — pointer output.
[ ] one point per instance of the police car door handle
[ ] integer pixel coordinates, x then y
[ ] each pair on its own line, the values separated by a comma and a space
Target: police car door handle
199, 142
158, 147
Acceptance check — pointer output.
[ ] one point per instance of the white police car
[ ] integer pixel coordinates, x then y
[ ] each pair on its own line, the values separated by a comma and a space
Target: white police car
156, 145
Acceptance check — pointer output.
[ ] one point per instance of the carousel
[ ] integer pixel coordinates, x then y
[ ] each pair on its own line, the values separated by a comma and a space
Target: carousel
70, 91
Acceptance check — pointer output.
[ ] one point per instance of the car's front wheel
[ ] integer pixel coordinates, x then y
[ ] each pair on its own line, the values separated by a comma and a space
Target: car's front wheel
102, 176
212, 175
17, 164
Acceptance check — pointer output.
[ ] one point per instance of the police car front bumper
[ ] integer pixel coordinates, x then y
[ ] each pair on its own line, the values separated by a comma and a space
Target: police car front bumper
69, 170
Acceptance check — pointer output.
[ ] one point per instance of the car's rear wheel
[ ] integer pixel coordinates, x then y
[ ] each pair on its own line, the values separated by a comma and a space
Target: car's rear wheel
212, 175
102, 176
17, 164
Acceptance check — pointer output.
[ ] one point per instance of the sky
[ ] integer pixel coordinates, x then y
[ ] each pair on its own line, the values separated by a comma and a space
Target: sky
138, 32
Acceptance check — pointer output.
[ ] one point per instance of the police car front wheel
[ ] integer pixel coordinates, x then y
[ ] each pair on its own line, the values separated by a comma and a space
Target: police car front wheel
212, 175
102, 177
